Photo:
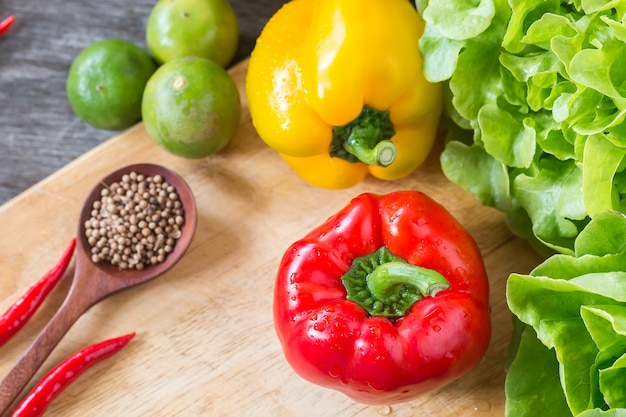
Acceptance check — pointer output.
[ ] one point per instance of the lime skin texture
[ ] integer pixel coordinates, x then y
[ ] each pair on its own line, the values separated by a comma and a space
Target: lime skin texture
191, 107
203, 28
106, 81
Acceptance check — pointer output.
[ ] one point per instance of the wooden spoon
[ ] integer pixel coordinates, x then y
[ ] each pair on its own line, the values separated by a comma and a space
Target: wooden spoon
94, 281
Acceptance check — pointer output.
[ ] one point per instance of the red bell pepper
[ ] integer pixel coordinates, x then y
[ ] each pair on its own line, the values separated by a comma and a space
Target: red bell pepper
385, 301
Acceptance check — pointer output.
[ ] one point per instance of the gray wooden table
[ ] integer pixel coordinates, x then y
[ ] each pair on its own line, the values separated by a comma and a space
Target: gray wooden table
39, 133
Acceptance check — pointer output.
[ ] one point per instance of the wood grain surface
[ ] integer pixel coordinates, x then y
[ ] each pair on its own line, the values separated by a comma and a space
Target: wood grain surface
93, 282
39, 132
205, 343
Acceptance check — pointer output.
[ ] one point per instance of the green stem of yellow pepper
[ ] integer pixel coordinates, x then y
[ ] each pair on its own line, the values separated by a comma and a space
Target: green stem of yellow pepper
382, 154
366, 139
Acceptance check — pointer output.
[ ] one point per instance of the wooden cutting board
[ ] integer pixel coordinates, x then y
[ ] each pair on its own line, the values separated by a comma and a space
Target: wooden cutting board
205, 343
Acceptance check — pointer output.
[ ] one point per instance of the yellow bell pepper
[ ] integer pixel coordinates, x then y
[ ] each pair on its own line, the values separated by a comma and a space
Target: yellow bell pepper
337, 88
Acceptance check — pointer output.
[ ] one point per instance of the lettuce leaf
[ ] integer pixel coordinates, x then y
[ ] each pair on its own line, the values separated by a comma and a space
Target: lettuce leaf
539, 86
536, 96
529, 389
573, 310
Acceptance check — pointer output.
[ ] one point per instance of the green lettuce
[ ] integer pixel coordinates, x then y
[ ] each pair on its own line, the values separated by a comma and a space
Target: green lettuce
536, 91
569, 350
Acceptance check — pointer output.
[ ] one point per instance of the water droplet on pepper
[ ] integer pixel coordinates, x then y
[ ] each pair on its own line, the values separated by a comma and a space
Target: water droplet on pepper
335, 371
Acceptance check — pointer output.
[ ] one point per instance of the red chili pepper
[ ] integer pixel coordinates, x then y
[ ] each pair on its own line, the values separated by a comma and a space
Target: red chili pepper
23, 309
385, 301
62, 375
6, 24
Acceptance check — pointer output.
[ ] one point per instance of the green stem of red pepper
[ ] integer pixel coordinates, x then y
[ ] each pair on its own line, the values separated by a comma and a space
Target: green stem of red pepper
6, 24
365, 139
386, 277
386, 285
23, 309
62, 375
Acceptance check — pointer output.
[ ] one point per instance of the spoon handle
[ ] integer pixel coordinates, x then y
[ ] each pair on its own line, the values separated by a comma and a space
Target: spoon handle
20, 375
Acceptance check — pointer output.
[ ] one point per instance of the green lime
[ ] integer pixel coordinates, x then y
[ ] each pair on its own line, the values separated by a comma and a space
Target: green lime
203, 28
106, 81
191, 107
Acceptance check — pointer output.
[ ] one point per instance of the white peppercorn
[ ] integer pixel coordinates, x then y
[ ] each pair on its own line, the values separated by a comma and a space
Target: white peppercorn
135, 223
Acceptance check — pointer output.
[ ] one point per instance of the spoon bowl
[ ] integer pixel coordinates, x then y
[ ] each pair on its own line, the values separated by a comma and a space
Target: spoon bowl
93, 282
128, 277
